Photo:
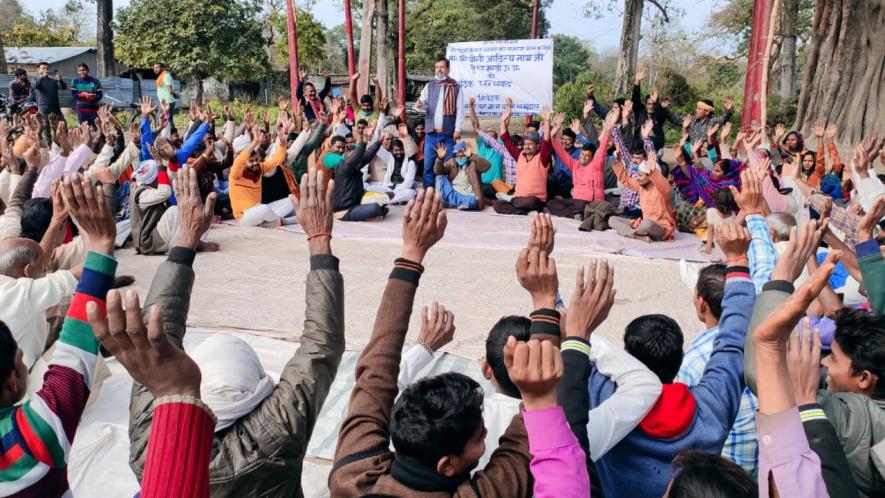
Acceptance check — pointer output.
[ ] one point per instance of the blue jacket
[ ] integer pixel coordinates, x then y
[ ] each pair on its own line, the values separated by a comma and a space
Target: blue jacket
640, 465
182, 154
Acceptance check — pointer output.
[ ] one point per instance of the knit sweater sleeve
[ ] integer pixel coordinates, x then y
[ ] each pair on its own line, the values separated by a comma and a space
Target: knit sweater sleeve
179, 449
48, 421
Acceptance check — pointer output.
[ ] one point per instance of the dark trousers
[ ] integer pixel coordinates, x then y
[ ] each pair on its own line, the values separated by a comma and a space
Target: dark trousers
566, 208
363, 212
47, 127
519, 205
430, 141
87, 117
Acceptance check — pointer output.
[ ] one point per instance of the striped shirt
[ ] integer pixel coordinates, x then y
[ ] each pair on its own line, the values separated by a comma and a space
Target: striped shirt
740, 446
629, 197
497, 146
37, 434
762, 253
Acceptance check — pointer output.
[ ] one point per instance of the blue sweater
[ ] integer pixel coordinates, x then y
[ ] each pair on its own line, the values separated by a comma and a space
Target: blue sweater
640, 465
182, 154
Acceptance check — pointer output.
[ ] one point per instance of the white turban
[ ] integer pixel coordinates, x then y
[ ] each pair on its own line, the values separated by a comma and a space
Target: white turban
146, 172
240, 143
234, 382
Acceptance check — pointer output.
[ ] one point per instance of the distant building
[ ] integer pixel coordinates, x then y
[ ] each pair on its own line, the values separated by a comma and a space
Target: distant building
64, 59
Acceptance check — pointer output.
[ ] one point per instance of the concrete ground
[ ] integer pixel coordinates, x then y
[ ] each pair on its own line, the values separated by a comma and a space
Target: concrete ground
255, 284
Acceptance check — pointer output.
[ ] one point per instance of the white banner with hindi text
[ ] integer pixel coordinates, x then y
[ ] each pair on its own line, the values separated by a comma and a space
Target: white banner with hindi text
491, 71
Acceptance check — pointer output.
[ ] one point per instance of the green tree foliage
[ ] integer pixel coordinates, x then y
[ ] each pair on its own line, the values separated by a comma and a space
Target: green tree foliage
570, 58
62, 27
311, 39
436, 23
198, 39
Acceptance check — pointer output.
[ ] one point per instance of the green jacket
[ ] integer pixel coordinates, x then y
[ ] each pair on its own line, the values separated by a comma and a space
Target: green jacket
859, 421
872, 267
261, 454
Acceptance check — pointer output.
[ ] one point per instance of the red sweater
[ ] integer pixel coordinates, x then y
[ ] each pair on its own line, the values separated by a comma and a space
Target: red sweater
179, 449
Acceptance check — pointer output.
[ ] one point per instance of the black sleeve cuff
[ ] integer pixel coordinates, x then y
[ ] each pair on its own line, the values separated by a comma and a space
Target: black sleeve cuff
404, 269
779, 285
323, 262
545, 321
182, 255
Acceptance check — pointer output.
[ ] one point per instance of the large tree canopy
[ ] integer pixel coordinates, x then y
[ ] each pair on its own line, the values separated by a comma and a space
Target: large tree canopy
195, 38
433, 24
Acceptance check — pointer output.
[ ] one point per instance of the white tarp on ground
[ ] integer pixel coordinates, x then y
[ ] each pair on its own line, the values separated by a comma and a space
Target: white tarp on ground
99, 461
491, 71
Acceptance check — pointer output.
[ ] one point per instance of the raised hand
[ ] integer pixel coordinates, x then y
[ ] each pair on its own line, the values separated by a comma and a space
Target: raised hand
314, 210
803, 361
803, 245
424, 224
147, 107
654, 96
195, 216
575, 126
734, 240
818, 129
437, 326
832, 130
640, 75
588, 108
59, 209
545, 113
89, 207
750, 198
775, 329
866, 224
861, 162
665, 102
441, 150
686, 122
228, 114
537, 274
146, 352
543, 234
209, 117
779, 131
324, 73
628, 109
32, 155
711, 131
729, 102
590, 89
592, 299
725, 132
535, 367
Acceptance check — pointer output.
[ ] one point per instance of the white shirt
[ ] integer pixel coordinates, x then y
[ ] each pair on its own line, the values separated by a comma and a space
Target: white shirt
23, 305
611, 421
497, 409
440, 103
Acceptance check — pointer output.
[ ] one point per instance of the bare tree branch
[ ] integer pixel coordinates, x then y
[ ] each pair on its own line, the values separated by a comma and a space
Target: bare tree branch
661, 8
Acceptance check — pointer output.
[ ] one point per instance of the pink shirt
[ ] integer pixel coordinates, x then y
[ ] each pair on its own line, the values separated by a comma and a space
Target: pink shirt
558, 462
589, 181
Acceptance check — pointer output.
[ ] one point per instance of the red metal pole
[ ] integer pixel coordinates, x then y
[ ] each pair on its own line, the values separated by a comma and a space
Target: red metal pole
751, 113
401, 66
294, 77
535, 20
348, 38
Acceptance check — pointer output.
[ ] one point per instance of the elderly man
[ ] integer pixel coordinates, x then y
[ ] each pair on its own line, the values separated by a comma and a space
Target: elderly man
27, 292
444, 103
532, 166
458, 179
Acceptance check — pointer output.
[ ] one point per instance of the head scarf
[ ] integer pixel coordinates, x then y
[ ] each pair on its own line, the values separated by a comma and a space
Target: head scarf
234, 381
240, 143
147, 172
706, 106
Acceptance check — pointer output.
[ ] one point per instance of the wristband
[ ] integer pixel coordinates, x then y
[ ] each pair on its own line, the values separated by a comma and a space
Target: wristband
319, 234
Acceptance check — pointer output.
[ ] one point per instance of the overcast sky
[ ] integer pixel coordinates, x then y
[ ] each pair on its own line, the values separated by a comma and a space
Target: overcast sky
566, 17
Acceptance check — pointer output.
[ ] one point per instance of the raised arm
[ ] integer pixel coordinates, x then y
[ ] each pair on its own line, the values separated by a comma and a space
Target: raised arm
365, 431
51, 417
869, 256
786, 460
170, 291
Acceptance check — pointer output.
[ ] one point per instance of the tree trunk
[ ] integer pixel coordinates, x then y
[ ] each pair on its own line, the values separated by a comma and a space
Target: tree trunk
104, 39
845, 69
198, 96
365, 62
382, 47
629, 44
788, 49
3, 68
